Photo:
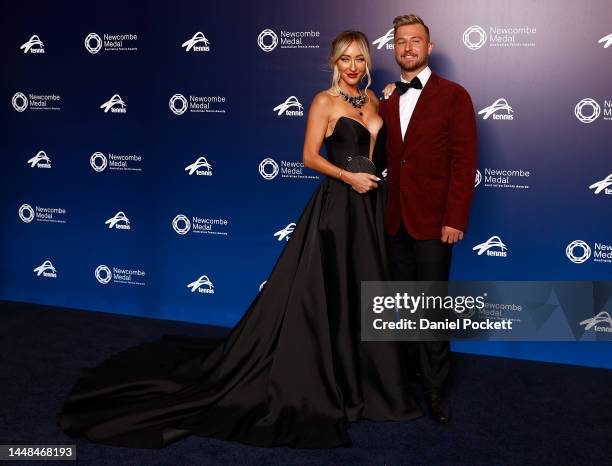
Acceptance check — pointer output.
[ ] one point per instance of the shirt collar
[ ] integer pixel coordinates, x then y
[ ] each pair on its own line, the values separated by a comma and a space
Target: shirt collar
423, 76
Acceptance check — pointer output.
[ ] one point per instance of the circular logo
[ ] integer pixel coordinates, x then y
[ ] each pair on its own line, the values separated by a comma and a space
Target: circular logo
578, 259
595, 110
93, 43
268, 169
180, 109
478, 178
98, 161
267, 40
19, 101
474, 32
181, 224
103, 274
26, 213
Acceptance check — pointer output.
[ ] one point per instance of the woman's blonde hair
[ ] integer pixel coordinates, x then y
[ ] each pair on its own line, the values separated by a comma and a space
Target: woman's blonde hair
339, 46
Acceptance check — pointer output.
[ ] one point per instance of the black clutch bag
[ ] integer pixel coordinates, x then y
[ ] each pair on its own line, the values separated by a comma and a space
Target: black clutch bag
359, 164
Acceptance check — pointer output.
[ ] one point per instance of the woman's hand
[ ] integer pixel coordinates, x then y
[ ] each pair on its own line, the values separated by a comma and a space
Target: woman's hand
388, 90
361, 182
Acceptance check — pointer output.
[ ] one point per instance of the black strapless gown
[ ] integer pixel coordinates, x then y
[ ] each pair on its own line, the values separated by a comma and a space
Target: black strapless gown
294, 370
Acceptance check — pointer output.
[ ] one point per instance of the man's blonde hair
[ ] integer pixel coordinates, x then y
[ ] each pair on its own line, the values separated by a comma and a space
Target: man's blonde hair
405, 20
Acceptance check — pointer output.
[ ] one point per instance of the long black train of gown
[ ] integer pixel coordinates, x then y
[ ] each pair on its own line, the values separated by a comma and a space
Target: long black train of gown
293, 371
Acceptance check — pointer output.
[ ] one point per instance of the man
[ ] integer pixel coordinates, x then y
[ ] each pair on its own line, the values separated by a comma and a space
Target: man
431, 166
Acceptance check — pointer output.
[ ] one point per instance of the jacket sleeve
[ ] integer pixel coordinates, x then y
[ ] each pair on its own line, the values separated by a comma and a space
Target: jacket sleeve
462, 147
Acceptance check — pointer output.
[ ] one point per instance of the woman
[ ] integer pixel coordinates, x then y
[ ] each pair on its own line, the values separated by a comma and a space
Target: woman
293, 371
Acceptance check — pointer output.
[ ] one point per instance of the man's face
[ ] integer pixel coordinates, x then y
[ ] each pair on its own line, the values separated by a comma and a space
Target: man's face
412, 47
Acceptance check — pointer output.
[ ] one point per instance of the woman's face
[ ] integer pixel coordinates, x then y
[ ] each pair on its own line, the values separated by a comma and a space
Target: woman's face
351, 65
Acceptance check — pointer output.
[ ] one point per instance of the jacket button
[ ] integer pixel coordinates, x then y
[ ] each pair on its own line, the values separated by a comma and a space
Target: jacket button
403, 162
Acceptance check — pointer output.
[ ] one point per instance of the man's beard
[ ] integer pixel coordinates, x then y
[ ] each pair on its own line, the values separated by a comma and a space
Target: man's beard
414, 67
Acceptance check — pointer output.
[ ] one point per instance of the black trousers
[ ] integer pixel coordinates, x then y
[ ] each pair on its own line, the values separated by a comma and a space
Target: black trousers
423, 260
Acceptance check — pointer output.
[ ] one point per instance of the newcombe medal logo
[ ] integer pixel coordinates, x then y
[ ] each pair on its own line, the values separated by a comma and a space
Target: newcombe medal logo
474, 37
587, 110
19, 101
267, 40
268, 168
578, 251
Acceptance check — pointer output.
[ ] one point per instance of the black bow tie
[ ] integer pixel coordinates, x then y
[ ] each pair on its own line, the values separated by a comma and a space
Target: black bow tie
403, 87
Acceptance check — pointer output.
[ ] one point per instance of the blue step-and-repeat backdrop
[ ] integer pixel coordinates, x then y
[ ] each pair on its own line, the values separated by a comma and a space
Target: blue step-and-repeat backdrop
151, 151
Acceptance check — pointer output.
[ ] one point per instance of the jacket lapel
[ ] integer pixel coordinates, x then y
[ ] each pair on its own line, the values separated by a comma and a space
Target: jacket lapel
396, 129
421, 108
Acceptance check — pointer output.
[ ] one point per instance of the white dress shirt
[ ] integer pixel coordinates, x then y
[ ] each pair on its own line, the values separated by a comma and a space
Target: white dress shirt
409, 99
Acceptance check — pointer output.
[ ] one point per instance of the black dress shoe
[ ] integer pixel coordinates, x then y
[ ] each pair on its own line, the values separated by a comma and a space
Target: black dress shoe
438, 407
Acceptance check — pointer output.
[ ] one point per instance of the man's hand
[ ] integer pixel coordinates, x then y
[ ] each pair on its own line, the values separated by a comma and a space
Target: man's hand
388, 90
451, 235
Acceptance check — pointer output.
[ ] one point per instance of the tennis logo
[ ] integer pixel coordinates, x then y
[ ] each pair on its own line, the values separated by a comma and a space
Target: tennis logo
593, 323
33, 45
200, 167
385, 41
606, 41
46, 269
498, 110
40, 160
494, 246
285, 233
474, 37
578, 251
587, 110
603, 185
291, 102
118, 221
114, 105
202, 285
198, 43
